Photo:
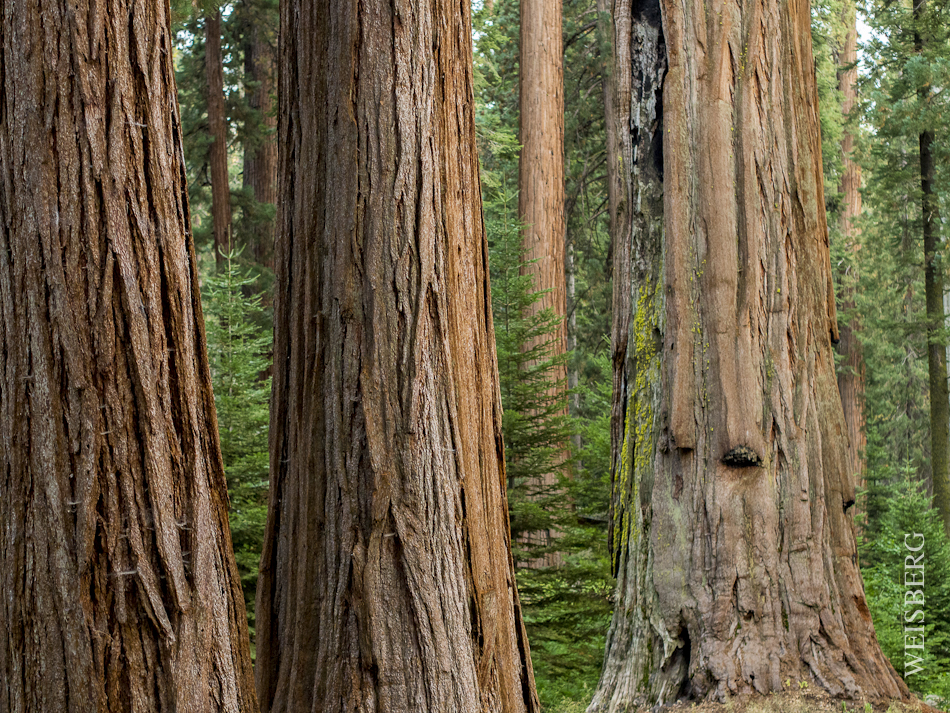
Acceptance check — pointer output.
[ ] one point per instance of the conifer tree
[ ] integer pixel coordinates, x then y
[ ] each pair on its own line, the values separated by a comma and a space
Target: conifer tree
909, 57
909, 527
239, 352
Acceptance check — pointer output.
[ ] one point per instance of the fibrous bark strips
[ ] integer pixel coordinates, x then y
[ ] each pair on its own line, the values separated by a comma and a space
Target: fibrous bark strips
386, 581
732, 536
120, 591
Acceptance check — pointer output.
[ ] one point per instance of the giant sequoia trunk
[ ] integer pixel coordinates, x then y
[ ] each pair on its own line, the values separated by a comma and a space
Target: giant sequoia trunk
386, 580
851, 371
541, 188
120, 587
731, 531
218, 127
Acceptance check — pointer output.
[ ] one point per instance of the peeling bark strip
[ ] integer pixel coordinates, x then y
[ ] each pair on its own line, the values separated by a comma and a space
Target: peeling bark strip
120, 591
731, 533
386, 580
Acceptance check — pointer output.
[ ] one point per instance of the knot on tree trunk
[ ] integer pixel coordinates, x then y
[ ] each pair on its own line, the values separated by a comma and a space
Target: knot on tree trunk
742, 457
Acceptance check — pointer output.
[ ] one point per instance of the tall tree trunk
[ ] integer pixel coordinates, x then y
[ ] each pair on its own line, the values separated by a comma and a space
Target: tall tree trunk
386, 580
541, 182
934, 287
732, 536
120, 586
217, 125
851, 371
573, 377
260, 158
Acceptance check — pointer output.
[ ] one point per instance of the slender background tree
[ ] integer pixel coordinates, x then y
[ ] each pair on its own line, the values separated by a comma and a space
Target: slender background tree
541, 203
218, 130
851, 371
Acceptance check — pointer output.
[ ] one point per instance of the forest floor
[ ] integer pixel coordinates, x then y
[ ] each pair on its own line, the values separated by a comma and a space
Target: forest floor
805, 701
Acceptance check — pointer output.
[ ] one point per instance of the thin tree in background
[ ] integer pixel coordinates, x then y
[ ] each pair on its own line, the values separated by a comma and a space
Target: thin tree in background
218, 128
260, 147
851, 372
732, 535
934, 288
386, 581
120, 586
541, 184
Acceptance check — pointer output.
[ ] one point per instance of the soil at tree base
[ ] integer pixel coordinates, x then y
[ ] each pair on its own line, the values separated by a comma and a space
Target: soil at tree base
807, 700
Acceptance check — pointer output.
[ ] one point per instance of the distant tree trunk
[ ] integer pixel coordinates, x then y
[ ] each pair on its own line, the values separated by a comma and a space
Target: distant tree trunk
217, 125
851, 371
120, 586
260, 159
934, 287
573, 378
541, 179
731, 536
386, 580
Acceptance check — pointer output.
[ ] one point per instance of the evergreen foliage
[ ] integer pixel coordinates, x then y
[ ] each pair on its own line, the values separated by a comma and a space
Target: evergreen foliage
566, 608
239, 353
903, 90
246, 129
906, 517
828, 35
889, 298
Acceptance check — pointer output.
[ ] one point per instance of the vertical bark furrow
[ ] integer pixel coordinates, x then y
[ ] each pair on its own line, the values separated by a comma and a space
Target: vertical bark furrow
735, 553
639, 643
385, 579
123, 592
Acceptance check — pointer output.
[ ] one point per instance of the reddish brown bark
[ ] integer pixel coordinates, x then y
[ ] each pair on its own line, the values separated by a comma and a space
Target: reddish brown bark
218, 127
731, 526
120, 586
541, 189
541, 166
386, 580
851, 369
